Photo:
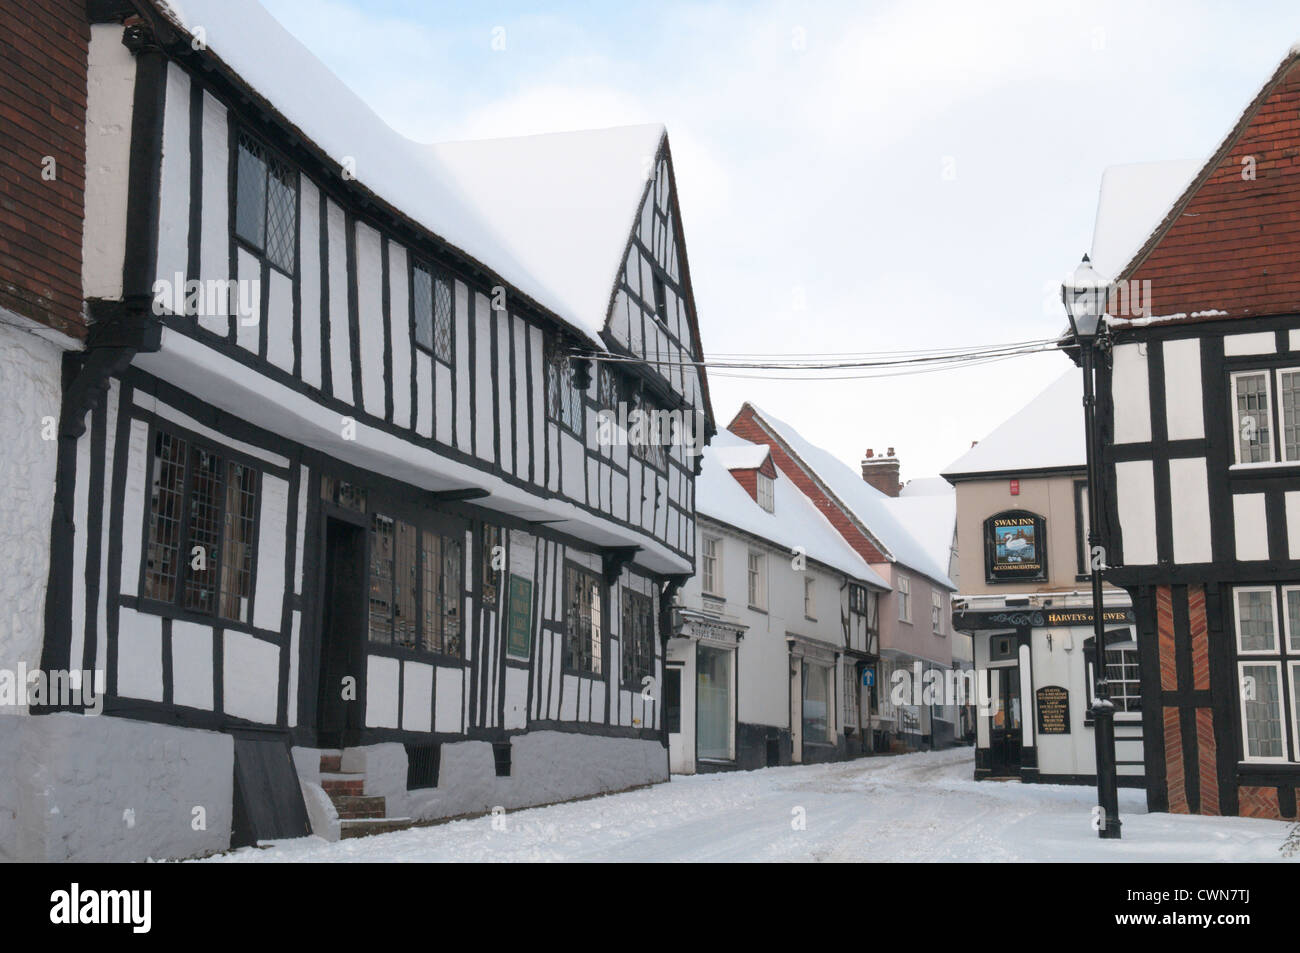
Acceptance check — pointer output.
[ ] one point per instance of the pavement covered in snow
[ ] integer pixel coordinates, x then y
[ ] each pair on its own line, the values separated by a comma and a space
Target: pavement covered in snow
918, 807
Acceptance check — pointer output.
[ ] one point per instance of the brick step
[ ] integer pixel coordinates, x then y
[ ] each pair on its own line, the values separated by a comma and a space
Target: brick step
368, 826
331, 763
351, 807
349, 784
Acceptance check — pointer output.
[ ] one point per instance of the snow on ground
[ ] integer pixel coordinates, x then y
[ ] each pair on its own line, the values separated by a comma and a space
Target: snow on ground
917, 807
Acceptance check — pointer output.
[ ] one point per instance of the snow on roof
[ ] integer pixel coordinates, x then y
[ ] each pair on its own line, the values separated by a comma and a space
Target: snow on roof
794, 520
1133, 202
550, 214
927, 486
867, 503
1047, 433
931, 519
1145, 194
741, 456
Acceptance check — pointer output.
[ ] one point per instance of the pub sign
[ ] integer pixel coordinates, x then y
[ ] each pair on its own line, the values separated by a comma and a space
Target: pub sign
1015, 546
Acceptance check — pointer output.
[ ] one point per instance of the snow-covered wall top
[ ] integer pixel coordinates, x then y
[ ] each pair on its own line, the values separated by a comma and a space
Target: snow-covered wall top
793, 522
550, 215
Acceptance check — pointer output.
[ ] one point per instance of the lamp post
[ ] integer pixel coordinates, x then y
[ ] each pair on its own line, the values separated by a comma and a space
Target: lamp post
1084, 296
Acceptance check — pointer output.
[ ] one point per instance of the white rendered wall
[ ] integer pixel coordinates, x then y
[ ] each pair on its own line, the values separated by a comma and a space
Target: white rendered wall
109, 105
30, 393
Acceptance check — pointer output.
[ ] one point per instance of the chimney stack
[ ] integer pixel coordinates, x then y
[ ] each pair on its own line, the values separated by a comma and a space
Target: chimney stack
882, 472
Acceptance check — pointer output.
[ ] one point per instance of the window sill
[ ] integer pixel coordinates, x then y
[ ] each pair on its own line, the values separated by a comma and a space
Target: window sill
566, 670
1245, 469
415, 655
168, 610
757, 609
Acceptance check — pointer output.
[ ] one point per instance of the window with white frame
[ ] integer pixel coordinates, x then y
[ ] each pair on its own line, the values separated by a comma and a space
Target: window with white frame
766, 497
1122, 677
936, 611
1268, 668
1266, 415
1123, 682
850, 678
757, 580
809, 597
711, 565
904, 599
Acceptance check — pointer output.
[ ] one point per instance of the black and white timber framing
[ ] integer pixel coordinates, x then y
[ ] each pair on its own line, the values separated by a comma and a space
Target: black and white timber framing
327, 387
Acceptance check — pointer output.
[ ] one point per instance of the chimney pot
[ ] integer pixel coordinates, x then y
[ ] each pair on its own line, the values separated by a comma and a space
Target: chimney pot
882, 472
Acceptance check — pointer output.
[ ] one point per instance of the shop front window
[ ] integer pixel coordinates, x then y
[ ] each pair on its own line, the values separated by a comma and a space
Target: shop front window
817, 696
714, 706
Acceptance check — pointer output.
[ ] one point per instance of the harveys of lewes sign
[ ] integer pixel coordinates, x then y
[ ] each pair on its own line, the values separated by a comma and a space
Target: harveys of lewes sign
1015, 546
1085, 616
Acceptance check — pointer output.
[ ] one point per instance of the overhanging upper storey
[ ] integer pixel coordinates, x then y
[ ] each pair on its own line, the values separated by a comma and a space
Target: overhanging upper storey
425, 311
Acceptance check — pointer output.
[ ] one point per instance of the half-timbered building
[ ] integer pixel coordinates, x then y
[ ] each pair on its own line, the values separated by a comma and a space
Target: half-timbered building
1197, 400
343, 507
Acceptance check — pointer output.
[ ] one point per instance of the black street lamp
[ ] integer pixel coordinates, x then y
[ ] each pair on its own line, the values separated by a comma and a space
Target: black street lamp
1084, 296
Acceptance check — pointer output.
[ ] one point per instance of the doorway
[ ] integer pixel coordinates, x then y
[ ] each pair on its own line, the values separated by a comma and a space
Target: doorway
343, 629
1005, 723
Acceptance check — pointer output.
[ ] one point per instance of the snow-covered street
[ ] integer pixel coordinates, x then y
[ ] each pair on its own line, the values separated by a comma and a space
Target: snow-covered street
918, 807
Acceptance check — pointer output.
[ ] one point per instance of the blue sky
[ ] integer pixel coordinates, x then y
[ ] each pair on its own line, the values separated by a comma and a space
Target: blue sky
853, 176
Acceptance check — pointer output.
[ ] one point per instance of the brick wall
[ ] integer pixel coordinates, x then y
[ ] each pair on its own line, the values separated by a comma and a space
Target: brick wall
43, 50
746, 425
1236, 246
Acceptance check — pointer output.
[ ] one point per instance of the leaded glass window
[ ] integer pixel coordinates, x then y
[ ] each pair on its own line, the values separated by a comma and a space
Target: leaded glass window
563, 399
266, 203
1254, 417
1269, 671
637, 637
583, 637
202, 530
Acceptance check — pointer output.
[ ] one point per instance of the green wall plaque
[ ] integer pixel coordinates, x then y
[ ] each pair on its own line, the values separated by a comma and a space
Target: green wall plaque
519, 617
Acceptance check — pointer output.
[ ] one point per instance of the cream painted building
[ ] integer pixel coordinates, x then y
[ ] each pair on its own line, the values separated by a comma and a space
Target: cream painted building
1025, 599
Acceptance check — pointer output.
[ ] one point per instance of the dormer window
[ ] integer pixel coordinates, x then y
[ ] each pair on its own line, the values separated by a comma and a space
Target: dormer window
766, 496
